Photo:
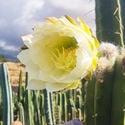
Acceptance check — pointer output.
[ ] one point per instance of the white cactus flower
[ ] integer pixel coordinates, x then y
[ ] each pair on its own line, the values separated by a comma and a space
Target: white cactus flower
60, 53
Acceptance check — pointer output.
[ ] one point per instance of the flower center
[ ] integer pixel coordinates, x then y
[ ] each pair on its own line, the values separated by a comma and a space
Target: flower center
64, 57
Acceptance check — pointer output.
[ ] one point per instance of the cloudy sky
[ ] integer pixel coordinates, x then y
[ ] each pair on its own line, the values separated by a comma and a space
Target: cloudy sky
17, 17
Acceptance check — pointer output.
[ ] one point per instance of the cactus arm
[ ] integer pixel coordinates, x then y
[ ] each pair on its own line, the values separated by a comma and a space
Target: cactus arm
20, 87
98, 100
118, 96
21, 113
109, 22
65, 107
6, 95
89, 104
123, 16
28, 105
48, 107
36, 107
104, 19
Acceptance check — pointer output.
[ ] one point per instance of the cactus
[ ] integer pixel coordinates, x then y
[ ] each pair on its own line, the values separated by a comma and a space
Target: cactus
105, 98
98, 100
118, 95
28, 105
109, 21
21, 113
37, 114
1, 104
35, 107
123, 16
60, 108
80, 104
65, 107
105, 92
42, 108
20, 88
6, 95
1, 123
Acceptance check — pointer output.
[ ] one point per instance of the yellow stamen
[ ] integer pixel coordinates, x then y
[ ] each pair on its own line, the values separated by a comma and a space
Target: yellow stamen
64, 59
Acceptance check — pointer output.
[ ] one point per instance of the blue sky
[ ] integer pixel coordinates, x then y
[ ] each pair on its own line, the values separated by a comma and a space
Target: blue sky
17, 17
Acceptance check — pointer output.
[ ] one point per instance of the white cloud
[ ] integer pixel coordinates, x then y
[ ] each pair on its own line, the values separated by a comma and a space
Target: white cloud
28, 12
3, 23
17, 17
83, 8
4, 45
74, 4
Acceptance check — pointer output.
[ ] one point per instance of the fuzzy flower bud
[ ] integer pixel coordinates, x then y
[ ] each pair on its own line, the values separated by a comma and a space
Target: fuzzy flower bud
109, 53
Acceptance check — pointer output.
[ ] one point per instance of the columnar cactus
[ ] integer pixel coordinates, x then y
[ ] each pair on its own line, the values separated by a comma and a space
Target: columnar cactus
118, 94
6, 95
109, 21
105, 92
123, 16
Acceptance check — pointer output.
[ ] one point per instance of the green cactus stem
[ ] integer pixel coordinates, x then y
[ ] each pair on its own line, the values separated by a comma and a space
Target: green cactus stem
1, 123
109, 26
48, 107
123, 16
100, 87
105, 92
37, 114
98, 100
28, 105
65, 107
21, 113
6, 95
20, 88
118, 96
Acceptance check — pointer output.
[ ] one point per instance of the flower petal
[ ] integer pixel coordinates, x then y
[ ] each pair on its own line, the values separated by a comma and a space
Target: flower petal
27, 40
60, 52
56, 86
36, 84
26, 58
80, 70
84, 26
